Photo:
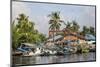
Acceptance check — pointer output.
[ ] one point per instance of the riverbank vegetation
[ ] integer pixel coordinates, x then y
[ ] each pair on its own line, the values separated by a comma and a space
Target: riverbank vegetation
23, 30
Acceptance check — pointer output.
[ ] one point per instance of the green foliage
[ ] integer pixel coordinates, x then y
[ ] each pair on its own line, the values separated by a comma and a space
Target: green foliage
88, 30
73, 26
54, 21
92, 31
82, 48
23, 32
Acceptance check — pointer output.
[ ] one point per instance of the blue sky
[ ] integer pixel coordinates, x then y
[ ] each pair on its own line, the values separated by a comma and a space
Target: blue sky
38, 12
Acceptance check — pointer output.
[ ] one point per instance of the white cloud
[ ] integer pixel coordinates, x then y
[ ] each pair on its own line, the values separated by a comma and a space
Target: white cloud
18, 8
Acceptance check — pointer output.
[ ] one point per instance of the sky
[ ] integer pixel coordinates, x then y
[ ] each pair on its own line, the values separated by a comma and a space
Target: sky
38, 13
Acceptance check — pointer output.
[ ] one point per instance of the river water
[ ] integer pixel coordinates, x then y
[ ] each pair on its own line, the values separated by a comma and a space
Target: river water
20, 60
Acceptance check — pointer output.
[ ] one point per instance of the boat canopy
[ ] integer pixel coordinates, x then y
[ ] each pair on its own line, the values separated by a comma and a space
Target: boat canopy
28, 44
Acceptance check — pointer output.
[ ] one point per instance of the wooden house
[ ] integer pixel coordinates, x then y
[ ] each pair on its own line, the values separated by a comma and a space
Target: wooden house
68, 36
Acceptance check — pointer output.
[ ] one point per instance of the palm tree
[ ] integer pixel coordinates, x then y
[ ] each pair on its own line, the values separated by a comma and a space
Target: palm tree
85, 30
54, 22
72, 26
92, 30
68, 25
75, 27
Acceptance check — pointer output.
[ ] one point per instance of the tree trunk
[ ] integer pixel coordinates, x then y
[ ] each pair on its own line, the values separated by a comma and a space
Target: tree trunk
53, 37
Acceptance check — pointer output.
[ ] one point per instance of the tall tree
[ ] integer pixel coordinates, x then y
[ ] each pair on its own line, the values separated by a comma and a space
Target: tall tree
85, 30
75, 27
92, 30
68, 25
54, 22
23, 31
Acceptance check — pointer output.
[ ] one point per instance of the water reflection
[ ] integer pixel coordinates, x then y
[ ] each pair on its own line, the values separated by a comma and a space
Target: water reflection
53, 59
